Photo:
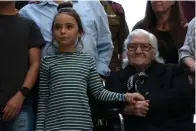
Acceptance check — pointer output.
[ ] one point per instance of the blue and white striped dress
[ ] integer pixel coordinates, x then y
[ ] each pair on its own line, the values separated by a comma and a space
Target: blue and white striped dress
63, 102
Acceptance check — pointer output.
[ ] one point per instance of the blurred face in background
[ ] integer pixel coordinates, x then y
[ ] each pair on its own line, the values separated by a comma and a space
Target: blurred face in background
161, 6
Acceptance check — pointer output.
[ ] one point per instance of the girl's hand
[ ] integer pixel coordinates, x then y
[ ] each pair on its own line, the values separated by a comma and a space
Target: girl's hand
132, 98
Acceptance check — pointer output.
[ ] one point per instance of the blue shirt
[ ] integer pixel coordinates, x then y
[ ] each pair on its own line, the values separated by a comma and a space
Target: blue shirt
97, 38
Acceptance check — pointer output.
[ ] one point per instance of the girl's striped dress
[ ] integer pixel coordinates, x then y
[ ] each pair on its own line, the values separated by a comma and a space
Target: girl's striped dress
63, 102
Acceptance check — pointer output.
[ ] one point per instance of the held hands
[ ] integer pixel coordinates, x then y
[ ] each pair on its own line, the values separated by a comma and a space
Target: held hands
140, 108
13, 107
132, 98
138, 105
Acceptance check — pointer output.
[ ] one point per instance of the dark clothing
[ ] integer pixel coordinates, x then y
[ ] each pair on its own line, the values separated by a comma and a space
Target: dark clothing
119, 31
167, 46
20, 4
170, 98
17, 35
188, 9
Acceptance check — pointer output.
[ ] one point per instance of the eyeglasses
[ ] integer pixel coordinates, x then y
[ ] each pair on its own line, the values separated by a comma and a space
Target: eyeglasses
143, 46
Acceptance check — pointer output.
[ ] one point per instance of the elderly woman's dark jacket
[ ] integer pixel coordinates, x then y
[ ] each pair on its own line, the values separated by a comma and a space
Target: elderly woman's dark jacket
170, 95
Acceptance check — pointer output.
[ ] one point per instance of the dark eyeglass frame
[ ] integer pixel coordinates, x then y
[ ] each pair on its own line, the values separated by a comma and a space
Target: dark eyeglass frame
139, 45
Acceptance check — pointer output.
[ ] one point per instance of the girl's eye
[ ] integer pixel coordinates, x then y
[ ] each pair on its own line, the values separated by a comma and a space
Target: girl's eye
69, 27
57, 27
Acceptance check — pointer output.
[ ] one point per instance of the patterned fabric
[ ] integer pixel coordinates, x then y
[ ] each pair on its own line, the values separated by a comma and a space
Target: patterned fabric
63, 102
136, 80
188, 49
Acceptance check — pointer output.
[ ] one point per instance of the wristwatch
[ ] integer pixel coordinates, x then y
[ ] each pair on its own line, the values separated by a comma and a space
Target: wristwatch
24, 90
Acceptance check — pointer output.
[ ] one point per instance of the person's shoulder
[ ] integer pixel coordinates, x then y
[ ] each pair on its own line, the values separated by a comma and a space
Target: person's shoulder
96, 7
161, 69
22, 18
113, 2
176, 69
27, 22
93, 4
116, 80
118, 8
123, 74
139, 25
33, 5
22, 21
192, 23
28, 7
31, 9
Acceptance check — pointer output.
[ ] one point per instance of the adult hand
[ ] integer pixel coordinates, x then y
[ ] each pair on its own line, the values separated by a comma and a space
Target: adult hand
13, 107
132, 98
190, 62
192, 67
140, 108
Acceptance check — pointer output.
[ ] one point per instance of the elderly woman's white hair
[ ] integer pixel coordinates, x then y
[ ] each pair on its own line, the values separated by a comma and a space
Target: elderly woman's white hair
152, 41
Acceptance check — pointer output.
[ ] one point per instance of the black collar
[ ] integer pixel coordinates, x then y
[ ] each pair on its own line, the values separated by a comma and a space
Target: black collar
154, 69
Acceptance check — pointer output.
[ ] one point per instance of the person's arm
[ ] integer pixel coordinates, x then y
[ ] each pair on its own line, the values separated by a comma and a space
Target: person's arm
43, 96
104, 40
32, 74
186, 53
97, 90
14, 105
36, 41
138, 25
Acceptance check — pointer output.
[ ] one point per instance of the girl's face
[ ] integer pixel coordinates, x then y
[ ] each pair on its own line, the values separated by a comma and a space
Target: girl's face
65, 30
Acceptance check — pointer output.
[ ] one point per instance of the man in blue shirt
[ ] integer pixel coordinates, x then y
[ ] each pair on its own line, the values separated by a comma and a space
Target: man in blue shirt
97, 38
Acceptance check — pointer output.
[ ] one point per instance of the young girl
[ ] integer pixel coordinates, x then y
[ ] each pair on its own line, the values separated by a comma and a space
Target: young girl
65, 78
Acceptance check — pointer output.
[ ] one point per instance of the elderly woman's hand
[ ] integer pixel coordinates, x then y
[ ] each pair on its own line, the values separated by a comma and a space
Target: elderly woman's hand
190, 62
140, 108
192, 67
132, 98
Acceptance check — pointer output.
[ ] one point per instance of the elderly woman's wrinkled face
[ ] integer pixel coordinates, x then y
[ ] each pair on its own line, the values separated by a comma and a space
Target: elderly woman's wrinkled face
140, 52
161, 6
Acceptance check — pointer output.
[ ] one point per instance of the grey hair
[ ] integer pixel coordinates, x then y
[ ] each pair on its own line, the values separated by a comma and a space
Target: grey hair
152, 41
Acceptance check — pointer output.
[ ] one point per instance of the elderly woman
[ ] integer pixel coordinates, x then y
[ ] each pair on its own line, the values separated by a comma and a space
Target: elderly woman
168, 96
